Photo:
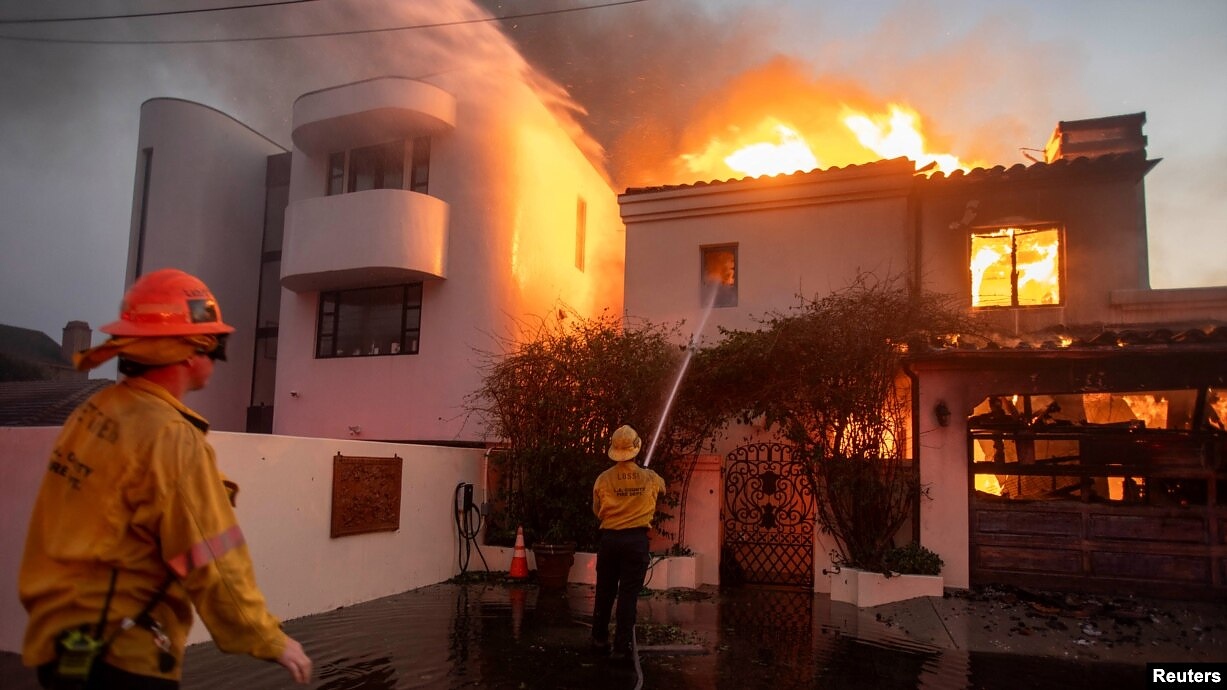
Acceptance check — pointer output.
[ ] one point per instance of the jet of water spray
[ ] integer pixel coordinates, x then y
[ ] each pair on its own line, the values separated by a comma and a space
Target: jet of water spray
712, 290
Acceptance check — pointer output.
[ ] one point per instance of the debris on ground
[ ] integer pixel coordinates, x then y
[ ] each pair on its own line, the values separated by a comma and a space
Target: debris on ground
660, 634
1096, 619
681, 594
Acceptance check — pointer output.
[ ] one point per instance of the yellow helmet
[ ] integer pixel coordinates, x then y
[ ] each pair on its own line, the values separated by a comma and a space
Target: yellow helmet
624, 444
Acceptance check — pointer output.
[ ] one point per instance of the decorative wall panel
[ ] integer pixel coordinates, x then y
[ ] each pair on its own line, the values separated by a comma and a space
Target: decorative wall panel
365, 494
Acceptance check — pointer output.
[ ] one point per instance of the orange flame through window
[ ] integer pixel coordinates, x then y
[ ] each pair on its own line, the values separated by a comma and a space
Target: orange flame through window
1015, 267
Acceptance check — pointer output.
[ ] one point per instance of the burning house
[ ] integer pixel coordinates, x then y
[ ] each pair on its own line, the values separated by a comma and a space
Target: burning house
1080, 443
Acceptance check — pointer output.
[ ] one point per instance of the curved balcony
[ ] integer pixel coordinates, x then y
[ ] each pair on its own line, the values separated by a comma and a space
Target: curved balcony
369, 112
364, 239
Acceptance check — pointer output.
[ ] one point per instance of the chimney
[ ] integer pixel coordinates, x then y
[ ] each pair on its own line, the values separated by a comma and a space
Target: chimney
1097, 137
77, 337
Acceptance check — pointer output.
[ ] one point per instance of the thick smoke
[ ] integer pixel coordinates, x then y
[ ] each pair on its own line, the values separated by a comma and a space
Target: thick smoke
639, 70
659, 79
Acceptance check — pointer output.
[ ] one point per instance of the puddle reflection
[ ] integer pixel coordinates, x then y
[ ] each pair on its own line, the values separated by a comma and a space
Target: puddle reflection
495, 636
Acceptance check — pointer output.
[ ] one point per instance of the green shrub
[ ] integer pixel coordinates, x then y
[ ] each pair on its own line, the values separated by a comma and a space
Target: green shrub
913, 559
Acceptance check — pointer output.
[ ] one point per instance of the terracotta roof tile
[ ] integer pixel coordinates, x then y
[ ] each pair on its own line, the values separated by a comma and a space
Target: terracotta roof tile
44, 403
1088, 338
1108, 163
861, 167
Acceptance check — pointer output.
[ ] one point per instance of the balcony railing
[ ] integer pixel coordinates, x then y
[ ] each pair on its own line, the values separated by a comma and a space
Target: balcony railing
364, 239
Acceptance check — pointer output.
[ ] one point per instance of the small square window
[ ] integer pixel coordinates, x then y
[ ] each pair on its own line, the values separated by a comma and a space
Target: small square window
718, 287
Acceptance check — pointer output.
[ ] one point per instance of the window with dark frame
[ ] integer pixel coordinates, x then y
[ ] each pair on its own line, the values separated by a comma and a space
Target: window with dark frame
368, 322
336, 173
718, 286
381, 166
1016, 267
376, 167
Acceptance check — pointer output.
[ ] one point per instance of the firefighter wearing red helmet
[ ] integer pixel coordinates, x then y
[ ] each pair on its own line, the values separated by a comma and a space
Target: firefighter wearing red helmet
134, 525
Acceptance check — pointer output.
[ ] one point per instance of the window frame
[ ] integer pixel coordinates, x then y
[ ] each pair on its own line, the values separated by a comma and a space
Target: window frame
328, 322
413, 156
1022, 229
419, 165
726, 296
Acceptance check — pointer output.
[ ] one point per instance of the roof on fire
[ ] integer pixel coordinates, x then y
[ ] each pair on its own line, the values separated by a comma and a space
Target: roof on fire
1133, 164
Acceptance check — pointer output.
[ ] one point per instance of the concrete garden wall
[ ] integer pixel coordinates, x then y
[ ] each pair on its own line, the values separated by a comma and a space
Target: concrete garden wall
284, 507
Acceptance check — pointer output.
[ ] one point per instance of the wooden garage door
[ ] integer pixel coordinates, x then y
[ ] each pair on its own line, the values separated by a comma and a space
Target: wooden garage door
1085, 547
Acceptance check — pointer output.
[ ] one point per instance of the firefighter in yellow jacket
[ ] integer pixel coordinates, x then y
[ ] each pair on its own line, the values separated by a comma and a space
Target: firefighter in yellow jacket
624, 498
134, 524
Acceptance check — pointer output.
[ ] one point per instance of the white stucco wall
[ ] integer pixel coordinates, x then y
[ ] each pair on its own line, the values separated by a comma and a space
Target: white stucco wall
205, 215
945, 512
801, 235
23, 461
284, 507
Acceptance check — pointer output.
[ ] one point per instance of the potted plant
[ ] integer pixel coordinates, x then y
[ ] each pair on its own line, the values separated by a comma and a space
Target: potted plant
552, 500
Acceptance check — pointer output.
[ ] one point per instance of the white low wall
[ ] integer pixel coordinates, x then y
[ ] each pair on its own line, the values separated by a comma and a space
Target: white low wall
284, 507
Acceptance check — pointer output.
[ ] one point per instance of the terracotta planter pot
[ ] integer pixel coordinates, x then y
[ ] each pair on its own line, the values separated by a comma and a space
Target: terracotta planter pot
554, 564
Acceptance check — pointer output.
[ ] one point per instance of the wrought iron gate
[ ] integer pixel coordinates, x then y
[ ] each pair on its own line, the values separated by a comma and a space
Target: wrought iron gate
768, 518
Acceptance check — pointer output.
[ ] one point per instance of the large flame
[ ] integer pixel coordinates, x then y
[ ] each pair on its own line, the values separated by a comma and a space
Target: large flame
780, 117
897, 133
769, 148
774, 147
790, 155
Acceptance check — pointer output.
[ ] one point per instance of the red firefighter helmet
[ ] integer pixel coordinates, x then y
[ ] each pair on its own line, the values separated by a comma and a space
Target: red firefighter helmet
168, 302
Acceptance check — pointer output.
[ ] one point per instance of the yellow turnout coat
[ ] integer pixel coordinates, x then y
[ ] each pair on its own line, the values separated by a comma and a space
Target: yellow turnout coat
133, 488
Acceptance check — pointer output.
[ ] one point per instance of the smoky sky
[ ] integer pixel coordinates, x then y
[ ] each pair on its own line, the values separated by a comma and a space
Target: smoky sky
642, 79
639, 70
649, 74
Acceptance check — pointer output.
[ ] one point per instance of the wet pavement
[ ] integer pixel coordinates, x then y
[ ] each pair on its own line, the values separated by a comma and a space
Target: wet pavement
491, 634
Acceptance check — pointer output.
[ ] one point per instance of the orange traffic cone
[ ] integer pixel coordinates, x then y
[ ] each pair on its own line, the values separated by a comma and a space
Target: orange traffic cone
519, 558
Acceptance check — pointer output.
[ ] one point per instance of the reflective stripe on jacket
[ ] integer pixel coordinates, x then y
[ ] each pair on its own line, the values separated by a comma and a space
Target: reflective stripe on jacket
624, 496
132, 485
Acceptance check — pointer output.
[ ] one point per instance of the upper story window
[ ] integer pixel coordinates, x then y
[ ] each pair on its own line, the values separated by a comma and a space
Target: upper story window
581, 232
380, 167
1016, 267
419, 169
369, 321
719, 271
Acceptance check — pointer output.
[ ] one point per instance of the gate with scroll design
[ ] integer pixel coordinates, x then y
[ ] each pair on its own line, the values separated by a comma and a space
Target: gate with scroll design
767, 518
